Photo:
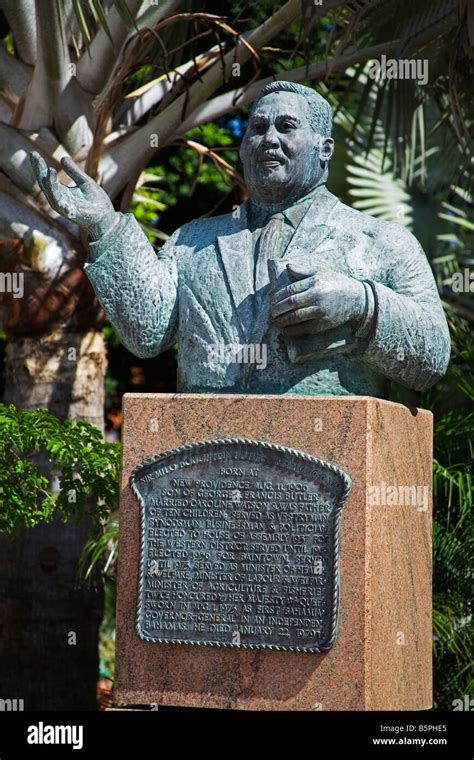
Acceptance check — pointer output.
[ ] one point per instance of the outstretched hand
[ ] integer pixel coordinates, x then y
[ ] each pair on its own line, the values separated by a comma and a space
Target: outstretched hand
85, 203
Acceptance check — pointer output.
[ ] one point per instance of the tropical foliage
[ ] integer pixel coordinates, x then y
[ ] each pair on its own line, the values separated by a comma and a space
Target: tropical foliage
84, 469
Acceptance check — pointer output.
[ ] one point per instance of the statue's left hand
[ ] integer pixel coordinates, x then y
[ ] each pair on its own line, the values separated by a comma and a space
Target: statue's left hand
85, 203
317, 302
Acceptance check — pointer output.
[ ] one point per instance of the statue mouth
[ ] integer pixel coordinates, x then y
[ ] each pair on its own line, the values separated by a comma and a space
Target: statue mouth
270, 160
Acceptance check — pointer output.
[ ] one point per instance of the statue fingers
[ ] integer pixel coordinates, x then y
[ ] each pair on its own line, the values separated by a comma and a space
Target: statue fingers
72, 170
295, 287
300, 271
296, 301
58, 195
39, 166
298, 315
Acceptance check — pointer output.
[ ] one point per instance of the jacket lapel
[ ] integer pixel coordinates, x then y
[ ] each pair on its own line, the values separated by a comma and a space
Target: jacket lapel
235, 250
313, 226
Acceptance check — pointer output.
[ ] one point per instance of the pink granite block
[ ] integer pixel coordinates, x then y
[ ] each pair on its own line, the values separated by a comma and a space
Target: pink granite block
382, 656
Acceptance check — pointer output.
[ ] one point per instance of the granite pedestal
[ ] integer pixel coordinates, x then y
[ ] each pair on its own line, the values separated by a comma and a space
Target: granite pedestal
382, 656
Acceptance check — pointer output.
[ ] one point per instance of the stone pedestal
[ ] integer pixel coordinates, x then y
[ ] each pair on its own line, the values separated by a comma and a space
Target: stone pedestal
382, 657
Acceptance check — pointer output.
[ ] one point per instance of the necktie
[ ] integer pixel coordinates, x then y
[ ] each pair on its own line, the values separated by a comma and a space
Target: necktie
268, 248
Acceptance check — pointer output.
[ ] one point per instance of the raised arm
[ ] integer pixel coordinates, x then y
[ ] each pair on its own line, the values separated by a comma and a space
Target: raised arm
136, 287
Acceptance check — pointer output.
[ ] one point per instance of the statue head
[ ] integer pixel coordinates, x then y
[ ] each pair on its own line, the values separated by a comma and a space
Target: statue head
287, 143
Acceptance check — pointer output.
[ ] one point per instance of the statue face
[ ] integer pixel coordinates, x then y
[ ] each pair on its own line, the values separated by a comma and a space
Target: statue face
282, 156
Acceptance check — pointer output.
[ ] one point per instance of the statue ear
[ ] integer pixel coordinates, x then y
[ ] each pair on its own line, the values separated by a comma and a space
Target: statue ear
327, 149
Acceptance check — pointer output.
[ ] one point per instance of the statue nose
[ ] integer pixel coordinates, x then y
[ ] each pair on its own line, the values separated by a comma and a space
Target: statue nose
271, 137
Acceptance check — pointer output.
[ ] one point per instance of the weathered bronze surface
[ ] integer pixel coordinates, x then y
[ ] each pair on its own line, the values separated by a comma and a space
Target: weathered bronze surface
240, 546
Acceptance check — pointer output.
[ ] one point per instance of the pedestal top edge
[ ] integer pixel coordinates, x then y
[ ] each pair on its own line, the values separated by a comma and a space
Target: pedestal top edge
299, 397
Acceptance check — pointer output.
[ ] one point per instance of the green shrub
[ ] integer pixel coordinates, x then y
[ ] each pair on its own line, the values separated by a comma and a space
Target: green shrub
47, 466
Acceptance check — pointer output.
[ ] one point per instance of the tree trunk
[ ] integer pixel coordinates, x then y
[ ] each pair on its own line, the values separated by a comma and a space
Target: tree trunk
48, 621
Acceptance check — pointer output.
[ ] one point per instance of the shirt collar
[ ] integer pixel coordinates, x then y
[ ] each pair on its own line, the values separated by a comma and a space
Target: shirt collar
259, 215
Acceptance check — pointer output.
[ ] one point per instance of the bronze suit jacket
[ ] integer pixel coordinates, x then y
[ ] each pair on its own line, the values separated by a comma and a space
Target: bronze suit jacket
198, 290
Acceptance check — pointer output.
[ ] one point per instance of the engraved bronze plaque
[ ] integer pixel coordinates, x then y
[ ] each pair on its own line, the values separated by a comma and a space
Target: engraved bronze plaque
239, 546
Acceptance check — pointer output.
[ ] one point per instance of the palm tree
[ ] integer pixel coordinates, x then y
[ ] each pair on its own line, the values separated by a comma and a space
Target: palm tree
68, 76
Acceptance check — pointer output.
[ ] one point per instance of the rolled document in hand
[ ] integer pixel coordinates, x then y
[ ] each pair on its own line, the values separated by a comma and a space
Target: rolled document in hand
319, 345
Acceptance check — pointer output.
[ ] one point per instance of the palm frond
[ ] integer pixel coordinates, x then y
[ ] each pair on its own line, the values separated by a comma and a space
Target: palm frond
100, 552
21, 18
